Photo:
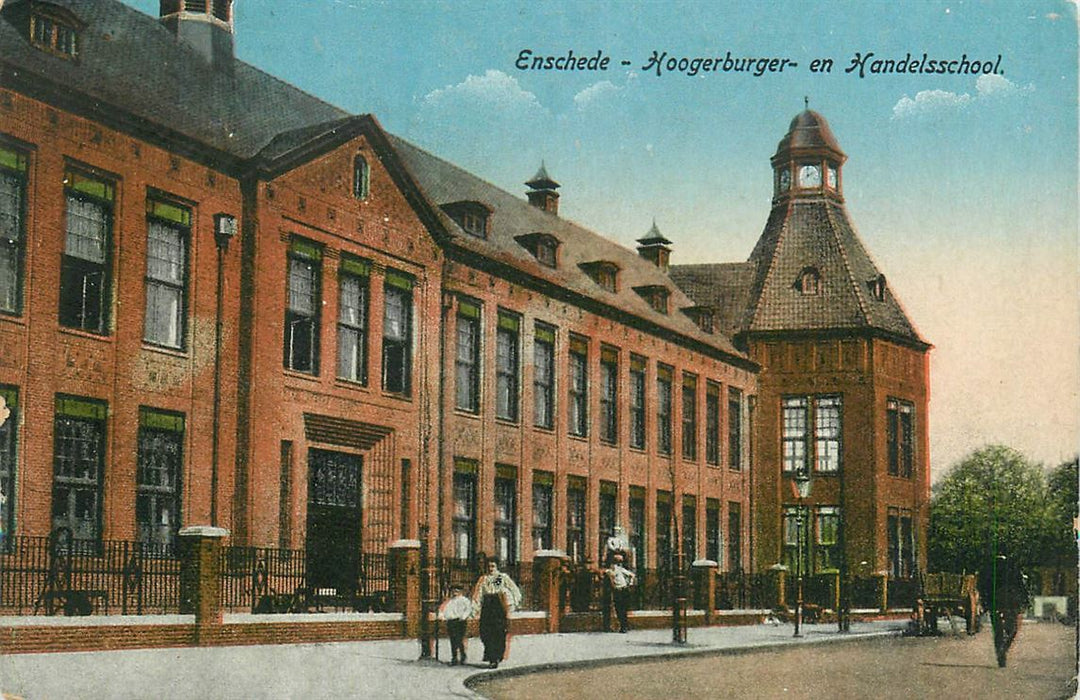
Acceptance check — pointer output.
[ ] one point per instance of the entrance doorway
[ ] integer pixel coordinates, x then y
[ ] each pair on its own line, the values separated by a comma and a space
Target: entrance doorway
333, 520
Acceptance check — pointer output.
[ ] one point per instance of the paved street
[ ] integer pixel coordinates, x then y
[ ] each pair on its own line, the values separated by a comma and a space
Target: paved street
1041, 665
378, 669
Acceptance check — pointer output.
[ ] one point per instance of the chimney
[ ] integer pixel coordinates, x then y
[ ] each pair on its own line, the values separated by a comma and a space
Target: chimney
205, 25
542, 192
655, 248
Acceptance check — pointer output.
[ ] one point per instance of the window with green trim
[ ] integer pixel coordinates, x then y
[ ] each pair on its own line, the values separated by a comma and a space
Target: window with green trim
13, 167
544, 376
663, 409
467, 358
158, 479
301, 349
8, 455
352, 358
397, 332
507, 366
168, 231
78, 465
85, 270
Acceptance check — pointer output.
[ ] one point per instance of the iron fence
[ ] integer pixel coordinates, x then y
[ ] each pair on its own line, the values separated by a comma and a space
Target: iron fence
57, 574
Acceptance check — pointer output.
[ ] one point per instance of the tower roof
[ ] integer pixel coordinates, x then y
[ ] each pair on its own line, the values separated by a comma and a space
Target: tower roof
541, 180
653, 237
808, 130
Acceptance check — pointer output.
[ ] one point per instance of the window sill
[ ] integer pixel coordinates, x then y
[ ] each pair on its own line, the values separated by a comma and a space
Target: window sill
79, 333
508, 422
165, 350
351, 384
547, 430
578, 438
296, 374
463, 413
398, 396
12, 318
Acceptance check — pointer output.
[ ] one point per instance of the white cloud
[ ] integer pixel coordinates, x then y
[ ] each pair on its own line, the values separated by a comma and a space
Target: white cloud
493, 89
594, 93
931, 102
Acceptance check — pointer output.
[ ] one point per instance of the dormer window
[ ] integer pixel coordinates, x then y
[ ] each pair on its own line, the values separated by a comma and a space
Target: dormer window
877, 287
656, 295
55, 30
473, 217
809, 282
543, 246
702, 316
361, 177
604, 272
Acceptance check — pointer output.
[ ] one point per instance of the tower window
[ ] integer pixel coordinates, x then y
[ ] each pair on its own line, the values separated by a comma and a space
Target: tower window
809, 283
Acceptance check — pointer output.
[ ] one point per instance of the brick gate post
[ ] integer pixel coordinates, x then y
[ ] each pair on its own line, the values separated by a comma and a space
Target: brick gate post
705, 587
547, 575
405, 582
777, 576
200, 576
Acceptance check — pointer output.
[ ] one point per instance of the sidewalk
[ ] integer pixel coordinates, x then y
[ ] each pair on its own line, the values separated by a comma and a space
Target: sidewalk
378, 669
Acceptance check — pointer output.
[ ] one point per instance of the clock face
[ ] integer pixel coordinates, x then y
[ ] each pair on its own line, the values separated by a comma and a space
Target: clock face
785, 180
810, 176
830, 177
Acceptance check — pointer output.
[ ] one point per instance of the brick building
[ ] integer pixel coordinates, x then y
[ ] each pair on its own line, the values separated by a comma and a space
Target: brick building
223, 301
843, 392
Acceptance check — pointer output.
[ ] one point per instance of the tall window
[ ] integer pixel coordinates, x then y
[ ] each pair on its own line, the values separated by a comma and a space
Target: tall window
361, 177
798, 451
826, 549
575, 520
353, 319
467, 361
505, 517
734, 536
609, 392
689, 528
78, 463
689, 416
507, 366
543, 508
397, 333
304, 303
609, 498
12, 229
734, 429
7, 465
637, 526
578, 391
464, 527
712, 423
663, 409
637, 402
712, 530
544, 376
663, 530
901, 543
168, 231
85, 269
900, 435
157, 495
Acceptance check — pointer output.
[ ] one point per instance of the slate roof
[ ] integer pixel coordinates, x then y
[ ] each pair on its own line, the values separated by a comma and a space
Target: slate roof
131, 64
512, 216
131, 61
724, 287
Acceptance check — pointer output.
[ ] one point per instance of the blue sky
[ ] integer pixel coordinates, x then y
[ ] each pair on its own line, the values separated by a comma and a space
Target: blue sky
963, 188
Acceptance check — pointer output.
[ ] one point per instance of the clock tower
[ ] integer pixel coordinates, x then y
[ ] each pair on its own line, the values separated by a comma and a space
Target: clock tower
843, 393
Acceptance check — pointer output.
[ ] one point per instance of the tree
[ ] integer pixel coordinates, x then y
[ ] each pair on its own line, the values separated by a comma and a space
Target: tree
993, 502
1063, 506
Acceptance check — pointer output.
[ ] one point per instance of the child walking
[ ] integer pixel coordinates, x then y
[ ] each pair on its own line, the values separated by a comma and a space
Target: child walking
456, 611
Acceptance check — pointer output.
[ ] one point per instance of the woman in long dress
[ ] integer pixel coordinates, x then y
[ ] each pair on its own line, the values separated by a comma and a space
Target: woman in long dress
495, 595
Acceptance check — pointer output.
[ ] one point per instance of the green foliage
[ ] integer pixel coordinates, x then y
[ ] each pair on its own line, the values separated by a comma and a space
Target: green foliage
994, 501
1063, 502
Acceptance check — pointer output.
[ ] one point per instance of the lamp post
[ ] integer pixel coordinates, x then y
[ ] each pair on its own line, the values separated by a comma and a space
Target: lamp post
802, 488
224, 231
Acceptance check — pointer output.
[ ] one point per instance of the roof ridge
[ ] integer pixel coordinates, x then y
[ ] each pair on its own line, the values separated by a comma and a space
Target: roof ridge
766, 277
859, 297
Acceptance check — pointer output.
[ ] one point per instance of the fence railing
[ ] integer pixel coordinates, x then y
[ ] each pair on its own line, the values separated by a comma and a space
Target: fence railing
46, 575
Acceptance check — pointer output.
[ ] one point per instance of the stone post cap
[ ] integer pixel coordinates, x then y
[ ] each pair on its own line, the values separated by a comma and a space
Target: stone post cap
203, 531
405, 544
549, 554
705, 563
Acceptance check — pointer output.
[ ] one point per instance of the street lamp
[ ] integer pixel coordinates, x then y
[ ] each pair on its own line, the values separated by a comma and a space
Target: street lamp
802, 488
